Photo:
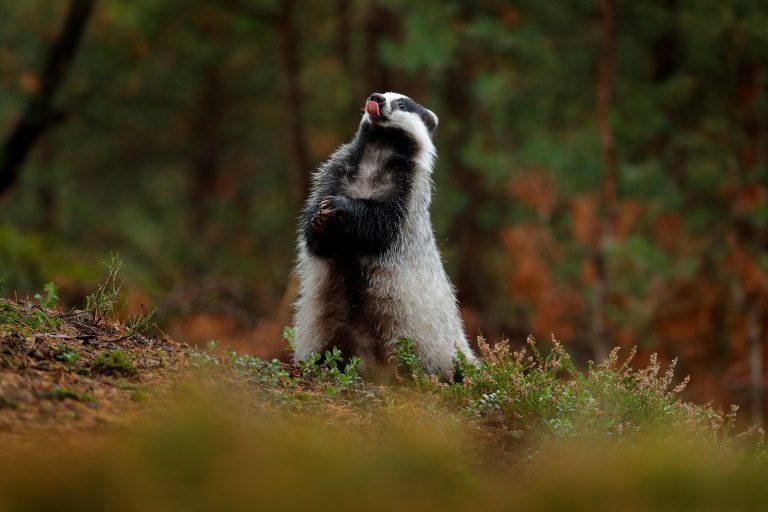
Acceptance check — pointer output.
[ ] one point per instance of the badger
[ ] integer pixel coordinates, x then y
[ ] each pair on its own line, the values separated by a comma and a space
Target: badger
368, 266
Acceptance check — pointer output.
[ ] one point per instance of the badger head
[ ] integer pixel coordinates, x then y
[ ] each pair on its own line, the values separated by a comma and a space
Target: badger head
397, 111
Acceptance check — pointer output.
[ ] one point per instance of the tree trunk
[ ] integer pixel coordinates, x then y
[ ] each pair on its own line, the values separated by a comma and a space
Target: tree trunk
751, 86
205, 145
343, 34
294, 98
757, 374
608, 198
380, 24
470, 239
39, 113
469, 235
667, 57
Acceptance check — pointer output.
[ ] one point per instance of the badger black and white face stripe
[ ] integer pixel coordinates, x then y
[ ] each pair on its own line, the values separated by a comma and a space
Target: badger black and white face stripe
403, 104
402, 112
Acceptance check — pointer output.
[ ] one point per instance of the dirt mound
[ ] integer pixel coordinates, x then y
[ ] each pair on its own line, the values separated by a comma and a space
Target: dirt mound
68, 371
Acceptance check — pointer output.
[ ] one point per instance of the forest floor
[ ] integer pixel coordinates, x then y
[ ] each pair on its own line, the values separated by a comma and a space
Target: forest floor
68, 372
90, 406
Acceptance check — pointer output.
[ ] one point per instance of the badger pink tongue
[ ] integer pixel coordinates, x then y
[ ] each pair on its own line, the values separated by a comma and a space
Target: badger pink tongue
372, 108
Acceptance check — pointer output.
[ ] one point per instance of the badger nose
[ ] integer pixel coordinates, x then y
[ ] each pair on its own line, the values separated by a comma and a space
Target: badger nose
378, 98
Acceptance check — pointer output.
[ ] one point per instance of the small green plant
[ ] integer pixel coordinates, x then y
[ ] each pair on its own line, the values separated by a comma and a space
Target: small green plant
331, 371
114, 362
66, 355
198, 359
254, 368
50, 297
289, 334
408, 361
103, 302
142, 322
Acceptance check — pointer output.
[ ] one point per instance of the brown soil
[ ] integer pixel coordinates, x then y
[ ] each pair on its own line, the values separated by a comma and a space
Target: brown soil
68, 372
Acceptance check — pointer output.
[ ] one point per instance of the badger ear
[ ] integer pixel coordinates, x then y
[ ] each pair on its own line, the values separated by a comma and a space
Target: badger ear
435, 121
435, 118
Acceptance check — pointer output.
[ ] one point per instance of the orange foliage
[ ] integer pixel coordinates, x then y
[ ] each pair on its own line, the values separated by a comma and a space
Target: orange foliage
586, 226
629, 212
555, 308
687, 318
744, 198
668, 229
536, 189
29, 83
747, 268
263, 340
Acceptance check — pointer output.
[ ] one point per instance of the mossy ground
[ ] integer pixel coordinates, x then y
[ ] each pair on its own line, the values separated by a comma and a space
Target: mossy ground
94, 410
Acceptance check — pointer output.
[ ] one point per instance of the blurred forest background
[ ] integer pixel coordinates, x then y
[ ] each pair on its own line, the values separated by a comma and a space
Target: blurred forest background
602, 171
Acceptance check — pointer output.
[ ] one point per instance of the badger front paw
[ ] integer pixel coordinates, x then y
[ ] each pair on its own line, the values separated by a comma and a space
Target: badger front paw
331, 207
320, 220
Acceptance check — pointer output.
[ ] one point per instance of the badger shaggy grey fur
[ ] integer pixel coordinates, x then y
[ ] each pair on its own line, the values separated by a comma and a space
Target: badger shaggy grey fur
369, 269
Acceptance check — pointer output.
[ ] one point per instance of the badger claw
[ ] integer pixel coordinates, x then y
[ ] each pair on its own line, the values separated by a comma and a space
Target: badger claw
320, 220
324, 214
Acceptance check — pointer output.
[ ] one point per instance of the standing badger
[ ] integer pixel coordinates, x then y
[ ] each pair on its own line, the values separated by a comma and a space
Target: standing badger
369, 269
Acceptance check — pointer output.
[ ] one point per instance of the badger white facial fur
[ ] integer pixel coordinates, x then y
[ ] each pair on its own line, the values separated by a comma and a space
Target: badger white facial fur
369, 269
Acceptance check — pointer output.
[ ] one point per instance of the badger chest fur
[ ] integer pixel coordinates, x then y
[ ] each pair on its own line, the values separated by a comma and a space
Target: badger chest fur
368, 266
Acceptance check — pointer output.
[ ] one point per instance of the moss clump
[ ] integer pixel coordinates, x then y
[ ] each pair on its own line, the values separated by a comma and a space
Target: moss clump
13, 318
68, 394
114, 362
7, 403
137, 395
9, 317
38, 320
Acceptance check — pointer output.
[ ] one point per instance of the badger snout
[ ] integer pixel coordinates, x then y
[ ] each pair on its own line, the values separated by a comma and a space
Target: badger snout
375, 104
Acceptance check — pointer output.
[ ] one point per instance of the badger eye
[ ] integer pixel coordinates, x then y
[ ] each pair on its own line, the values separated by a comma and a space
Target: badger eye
401, 105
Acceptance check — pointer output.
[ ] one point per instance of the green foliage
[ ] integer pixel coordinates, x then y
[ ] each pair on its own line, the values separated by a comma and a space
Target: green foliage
257, 370
329, 369
114, 362
328, 374
51, 297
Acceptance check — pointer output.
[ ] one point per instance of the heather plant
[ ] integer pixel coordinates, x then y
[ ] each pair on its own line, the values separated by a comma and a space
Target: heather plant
529, 394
